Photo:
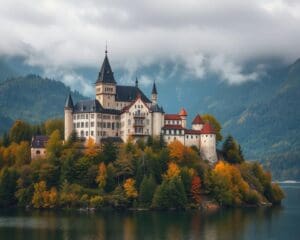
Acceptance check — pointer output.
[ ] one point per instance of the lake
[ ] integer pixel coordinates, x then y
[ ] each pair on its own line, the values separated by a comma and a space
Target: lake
252, 223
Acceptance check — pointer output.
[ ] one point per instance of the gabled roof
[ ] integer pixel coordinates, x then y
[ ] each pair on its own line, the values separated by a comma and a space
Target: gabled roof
39, 141
86, 106
129, 94
69, 102
172, 117
207, 129
183, 112
154, 91
197, 120
139, 96
106, 75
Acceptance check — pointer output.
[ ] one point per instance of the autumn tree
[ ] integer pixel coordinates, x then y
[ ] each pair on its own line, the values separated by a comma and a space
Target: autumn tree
102, 175
215, 124
91, 149
176, 150
232, 151
172, 172
195, 189
129, 187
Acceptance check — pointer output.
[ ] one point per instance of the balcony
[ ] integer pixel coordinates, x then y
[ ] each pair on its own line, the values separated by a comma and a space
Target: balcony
139, 115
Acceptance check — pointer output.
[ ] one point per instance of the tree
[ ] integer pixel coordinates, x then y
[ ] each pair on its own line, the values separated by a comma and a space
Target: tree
195, 189
129, 187
22, 154
20, 131
39, 194
176, 150
215, 124
147, 189
110, 181
102, 175
173, 171
232, 151
53, 125
91, 149
5, 140
8, 187
109, 152
54, 145
170, 194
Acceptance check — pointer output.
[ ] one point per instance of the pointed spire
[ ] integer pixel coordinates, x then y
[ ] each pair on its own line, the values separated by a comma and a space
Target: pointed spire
69, 102
136, 82
106, 48
106, 75
154, 91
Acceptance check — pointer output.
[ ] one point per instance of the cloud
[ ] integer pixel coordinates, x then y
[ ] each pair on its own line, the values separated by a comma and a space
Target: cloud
220, 36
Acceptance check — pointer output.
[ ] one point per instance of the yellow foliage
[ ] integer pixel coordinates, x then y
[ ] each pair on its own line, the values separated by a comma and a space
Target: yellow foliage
176, 149
102, 175
237, 184
129, 188
91, 149
43, 198
173, 171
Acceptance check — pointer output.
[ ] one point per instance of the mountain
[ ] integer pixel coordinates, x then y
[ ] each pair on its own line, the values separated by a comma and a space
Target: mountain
33, 99
262, 115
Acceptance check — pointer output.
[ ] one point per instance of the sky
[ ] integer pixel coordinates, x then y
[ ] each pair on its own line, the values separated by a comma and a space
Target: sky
219, 36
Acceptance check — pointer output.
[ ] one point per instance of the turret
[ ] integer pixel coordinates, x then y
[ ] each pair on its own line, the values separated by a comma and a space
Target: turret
197, 123
183, 114
208, 143
154, 94
69, 107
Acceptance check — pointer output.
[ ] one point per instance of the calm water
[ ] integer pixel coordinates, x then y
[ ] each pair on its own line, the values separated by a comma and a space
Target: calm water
276, 223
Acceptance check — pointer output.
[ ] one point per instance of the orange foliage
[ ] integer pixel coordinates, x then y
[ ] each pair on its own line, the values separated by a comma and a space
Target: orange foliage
176, 149
102, 175
173, 171
91, 149
238, 186
195, 189
130, 189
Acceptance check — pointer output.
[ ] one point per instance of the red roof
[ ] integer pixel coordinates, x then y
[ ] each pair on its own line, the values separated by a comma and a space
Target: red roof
183, 112
191, 131
207, 129
172, 117
198, 120
173, 127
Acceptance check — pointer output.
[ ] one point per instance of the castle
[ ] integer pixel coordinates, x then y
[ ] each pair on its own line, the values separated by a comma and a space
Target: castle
120, 112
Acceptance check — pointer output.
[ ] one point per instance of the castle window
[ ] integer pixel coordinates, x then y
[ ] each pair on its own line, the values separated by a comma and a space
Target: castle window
74, 125
86, 116
82, 133
82, 124
92, 133
38, 152
187, 136
129, 122
92, 115
78, 125
104, 124
192, 137
86, 124
98, 133
113, 126
108, 125
86, 133
206, 135
92, 124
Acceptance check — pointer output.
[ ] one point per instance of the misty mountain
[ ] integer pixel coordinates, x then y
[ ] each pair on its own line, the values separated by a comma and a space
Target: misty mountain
262, 115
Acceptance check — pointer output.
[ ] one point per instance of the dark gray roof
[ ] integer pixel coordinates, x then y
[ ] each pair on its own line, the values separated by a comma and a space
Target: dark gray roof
86, 106
112, 140
106, 75
129, 94
154, 91
39, 141
69, 102
156, 108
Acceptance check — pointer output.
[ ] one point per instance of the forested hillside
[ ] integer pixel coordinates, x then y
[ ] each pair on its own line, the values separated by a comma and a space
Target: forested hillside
33, 99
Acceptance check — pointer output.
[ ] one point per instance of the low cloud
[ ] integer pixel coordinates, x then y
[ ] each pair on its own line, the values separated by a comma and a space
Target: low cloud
220, 36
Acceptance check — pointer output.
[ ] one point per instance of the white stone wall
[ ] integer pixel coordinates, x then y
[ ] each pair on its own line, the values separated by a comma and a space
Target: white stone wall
38, 153
105, 94
68, 123
208, 147
157, 123
192, 140
197, 127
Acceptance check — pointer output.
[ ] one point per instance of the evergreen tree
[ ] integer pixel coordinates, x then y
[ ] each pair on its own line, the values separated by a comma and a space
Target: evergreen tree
147, 189
8, 187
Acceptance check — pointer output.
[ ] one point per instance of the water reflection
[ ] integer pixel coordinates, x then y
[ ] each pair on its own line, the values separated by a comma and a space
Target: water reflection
224, 224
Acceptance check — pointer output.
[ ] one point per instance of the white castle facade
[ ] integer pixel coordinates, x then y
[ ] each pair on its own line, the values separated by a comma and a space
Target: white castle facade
119, 112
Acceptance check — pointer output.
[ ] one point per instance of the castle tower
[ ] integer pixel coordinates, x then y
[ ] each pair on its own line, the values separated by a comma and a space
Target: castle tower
208, 143
183, 114
197, 123
69, 107
154, 94
106, 85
